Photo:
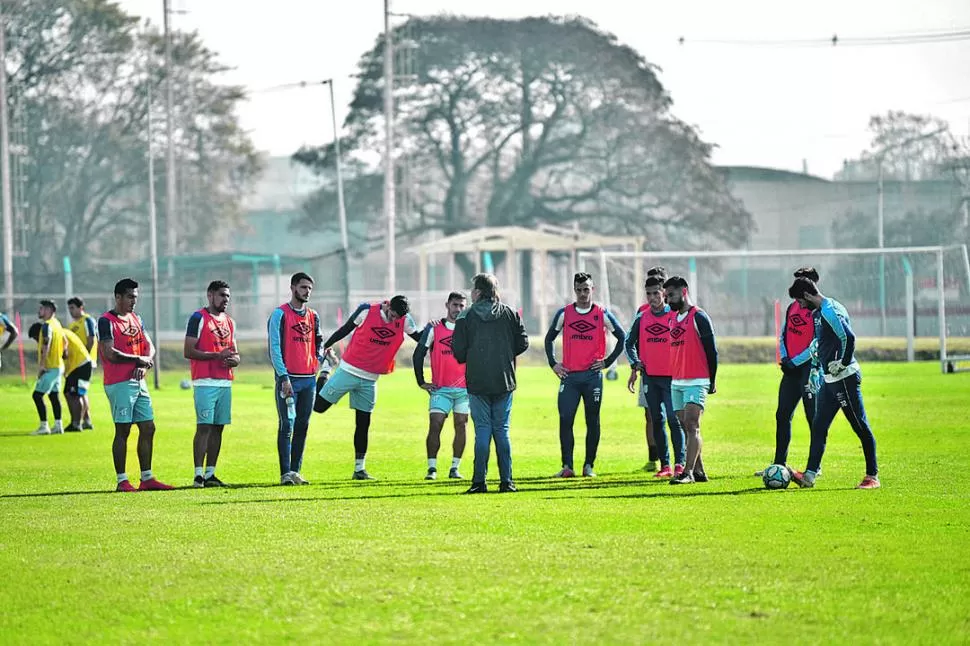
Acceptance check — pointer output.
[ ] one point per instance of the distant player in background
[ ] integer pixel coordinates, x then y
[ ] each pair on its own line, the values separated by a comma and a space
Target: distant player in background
127, 354
648, 351
50, 368
795, 348
8, 334
653, 454
693, 362
85, 327
77, 367
842, 383
210, 347
296, 351
447, 387
584, 326
378, 332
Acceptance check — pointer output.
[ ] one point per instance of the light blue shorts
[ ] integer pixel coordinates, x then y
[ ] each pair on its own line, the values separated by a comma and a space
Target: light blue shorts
50, 381
363, 392
130, 402
448, 400
683, 395
213, 405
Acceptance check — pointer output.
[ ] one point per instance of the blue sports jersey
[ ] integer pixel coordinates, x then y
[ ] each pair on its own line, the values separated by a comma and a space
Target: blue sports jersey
834, 338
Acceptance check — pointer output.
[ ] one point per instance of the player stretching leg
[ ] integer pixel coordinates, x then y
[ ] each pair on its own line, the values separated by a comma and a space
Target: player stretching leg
842, 383
50, 362
584, 325
126, 355
693, 361
378, 332
210, 347
648, 351
447, 387
86, 328
77, 367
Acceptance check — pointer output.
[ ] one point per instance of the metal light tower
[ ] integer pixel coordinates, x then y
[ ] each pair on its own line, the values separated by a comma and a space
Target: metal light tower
5, 193
153, 228
170, 195
389, 207
341, 211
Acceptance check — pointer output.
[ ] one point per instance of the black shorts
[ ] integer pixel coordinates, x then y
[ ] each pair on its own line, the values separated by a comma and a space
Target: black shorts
78, 382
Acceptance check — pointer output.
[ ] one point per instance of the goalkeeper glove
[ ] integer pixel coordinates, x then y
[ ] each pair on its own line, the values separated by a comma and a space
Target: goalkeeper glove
835, 368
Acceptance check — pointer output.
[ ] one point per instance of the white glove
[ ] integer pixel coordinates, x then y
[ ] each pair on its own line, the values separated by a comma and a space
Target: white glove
835, 368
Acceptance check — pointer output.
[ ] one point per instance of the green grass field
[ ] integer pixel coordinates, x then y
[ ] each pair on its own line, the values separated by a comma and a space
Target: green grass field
618, 559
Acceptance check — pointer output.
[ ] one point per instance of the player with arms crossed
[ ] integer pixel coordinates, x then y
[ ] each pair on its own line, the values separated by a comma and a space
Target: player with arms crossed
584, 325
447, 387
378, 332
693, 367
50, 362
86, 328
127, 355
648, 351
842, 383
210, 347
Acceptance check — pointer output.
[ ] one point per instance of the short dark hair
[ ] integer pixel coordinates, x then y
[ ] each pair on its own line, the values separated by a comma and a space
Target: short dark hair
123, 285
48, 304
76, 301
653, 281
582, 277
676, 281
298, 276
657, 271
487, 286
801, 287
807, 272
456, 296
216, 285
400, 305
34, 331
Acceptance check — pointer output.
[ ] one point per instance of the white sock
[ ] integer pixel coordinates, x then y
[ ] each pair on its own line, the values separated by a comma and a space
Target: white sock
455, 462
122, 477
198, 471
359, 464
146, 475
57, 423
210, 471
44, 424
432, 463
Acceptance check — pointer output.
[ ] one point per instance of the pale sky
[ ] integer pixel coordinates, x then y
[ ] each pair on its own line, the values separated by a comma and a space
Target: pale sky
763, 106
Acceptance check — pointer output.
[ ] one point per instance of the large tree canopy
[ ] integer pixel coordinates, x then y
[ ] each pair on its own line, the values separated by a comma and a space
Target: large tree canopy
535, 120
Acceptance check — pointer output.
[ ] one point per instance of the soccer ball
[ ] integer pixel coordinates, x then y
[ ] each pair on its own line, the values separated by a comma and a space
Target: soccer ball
185, 385
777, 476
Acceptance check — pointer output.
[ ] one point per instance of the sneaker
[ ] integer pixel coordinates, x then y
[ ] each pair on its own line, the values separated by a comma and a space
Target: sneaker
454, 475
213, 481
298, 479
287, 478
588, 471
57, 429
43, 429
700, 476
71, 428
363, 475
566, 472
153, 484
478, 488
507, 487
432, 474
804, 480
684, 478
650, 466
665, 472
125, 486
87, 426
869, 482
198, 482
678, 469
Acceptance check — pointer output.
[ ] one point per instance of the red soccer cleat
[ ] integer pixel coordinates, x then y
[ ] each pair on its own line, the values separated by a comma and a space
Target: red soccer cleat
125, 486
678, 469
665, 472
153, 485
869, 482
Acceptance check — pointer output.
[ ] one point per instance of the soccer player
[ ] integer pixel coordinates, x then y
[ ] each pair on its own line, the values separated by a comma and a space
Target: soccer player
85, 327
653, 454
50, 362
648, 351
378, 332
296, 350
77, 367
127, 354
447, 387
584, 325
795, 346
842, 383
693, 368
210, 347
10, 330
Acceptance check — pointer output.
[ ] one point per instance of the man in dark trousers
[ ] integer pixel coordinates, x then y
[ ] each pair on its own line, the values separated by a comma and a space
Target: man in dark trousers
488, 337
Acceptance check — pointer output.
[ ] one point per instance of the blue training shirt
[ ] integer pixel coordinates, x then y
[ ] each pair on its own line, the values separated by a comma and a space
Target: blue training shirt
834, 338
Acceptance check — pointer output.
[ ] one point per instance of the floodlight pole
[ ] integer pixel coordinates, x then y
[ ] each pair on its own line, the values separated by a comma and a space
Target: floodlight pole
5, 193
389, 206
153, 234
341, 211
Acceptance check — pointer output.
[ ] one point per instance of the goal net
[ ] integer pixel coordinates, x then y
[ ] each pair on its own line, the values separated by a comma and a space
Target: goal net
918, 297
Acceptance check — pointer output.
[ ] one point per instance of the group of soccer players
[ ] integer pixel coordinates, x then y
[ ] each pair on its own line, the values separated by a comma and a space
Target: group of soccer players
670, 346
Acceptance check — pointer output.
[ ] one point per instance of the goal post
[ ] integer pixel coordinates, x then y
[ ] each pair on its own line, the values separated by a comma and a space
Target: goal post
898, 292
